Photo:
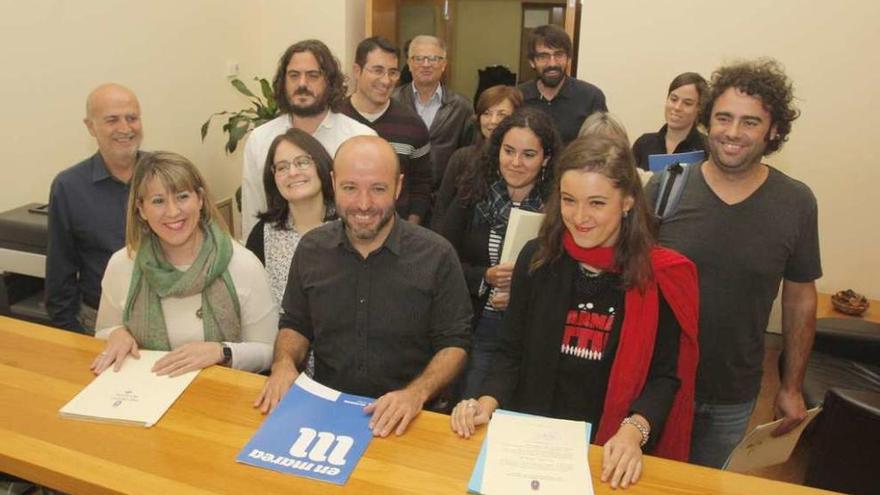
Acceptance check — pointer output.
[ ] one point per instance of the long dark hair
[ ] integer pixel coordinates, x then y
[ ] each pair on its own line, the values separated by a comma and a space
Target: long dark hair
336, 83
612, 158
278, 208
473, 185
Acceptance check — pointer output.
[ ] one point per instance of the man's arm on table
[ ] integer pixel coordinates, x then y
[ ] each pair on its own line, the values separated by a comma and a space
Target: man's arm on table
398, 408
290, 348
798, 331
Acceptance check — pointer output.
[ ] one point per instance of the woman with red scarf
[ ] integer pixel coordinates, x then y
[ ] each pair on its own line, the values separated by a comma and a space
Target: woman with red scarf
602, 323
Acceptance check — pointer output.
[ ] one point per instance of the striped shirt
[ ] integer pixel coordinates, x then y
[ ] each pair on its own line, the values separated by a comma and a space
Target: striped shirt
407, 134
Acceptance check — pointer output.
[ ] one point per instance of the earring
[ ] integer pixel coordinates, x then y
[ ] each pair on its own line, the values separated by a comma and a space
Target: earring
625, 213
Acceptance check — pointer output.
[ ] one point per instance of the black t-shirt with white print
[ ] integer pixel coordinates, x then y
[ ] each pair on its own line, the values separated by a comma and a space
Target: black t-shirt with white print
589, 345
589, 342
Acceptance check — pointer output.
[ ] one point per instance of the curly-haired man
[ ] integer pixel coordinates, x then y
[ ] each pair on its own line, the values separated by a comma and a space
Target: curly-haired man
309, 89
747, 226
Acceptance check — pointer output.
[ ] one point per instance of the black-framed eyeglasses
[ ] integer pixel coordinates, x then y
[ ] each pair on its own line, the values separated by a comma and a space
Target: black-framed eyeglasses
431, 59
302, 162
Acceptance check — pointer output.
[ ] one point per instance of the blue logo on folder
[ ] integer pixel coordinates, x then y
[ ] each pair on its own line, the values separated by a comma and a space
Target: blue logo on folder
315, 432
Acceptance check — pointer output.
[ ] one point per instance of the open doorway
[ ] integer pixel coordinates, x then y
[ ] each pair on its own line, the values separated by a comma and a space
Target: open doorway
478, 33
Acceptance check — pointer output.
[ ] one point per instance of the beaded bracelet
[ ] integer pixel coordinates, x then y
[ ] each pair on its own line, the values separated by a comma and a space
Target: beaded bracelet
629, 420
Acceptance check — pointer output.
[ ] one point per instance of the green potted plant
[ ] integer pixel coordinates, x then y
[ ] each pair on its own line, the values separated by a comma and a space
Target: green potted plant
240, 122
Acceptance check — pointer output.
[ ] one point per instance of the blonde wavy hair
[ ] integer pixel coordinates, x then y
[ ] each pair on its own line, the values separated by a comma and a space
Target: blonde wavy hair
177, 174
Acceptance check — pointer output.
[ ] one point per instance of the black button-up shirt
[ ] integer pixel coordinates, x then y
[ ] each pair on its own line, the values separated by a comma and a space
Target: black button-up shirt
375, 323
87, 208
575, 101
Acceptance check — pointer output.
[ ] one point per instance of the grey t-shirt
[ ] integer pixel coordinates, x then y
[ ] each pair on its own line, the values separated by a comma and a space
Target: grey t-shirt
742, 252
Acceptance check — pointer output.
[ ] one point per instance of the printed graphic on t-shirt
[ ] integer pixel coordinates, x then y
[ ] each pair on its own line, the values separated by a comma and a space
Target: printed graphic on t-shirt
586, 332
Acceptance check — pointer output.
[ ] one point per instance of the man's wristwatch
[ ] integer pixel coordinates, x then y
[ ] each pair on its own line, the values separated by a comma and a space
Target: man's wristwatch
227, 354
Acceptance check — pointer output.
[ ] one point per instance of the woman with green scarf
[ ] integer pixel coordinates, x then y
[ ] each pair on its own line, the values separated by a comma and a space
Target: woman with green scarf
181, 284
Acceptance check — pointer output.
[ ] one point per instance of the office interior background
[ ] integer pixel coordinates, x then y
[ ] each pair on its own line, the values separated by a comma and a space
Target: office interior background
176, 55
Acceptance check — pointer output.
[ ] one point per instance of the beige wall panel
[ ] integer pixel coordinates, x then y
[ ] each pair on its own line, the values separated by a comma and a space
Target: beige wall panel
633, 49
173, 54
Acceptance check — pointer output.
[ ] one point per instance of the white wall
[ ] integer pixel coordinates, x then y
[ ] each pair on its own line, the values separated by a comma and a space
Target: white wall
632, 50
173, 54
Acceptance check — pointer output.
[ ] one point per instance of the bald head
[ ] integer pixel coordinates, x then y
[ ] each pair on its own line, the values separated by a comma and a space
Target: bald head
108, 92
367, 148
366, 182
113, 117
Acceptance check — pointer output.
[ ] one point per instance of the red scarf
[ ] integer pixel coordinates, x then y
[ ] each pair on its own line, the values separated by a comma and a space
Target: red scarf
676, 277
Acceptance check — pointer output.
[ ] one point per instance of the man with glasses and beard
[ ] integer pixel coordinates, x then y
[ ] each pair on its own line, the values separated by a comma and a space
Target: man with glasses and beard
382, 302
309, 90
568, 100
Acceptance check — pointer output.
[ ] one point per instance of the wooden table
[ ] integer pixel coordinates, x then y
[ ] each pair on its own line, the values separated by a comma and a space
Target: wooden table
824, 309
192, 449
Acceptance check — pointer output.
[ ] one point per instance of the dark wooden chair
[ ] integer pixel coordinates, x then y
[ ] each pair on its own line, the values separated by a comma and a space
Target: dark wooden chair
845, 453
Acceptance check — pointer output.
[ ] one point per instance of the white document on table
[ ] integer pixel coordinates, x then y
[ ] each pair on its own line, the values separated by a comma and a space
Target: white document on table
134, 395
760, 448
533, 455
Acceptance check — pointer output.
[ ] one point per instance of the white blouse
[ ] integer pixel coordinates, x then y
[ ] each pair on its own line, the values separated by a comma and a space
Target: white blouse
259, 313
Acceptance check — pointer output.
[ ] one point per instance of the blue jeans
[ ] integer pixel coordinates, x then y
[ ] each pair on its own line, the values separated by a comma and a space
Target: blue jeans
486, 339
717, 430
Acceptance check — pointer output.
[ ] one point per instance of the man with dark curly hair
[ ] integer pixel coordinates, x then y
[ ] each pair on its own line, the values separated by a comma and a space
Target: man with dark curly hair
309, 90
748, 227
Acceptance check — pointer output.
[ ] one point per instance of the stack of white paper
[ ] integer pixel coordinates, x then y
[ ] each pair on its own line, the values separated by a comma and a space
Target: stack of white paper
522, 226
134, 395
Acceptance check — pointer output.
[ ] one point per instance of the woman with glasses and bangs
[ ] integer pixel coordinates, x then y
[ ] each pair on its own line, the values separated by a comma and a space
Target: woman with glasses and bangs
299, 194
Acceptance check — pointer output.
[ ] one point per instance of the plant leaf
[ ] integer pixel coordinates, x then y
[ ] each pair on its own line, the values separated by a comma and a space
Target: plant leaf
239, 127
242, 88
205, 128
266, 88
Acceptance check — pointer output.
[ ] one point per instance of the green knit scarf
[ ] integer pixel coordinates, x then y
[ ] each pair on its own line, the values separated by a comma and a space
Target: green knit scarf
154, 279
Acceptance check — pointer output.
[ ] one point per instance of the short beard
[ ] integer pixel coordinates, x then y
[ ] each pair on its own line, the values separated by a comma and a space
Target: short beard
316, 108
551, 82
368, 234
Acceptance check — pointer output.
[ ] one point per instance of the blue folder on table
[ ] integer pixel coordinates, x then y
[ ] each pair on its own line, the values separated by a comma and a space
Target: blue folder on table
315, 432
658, 163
